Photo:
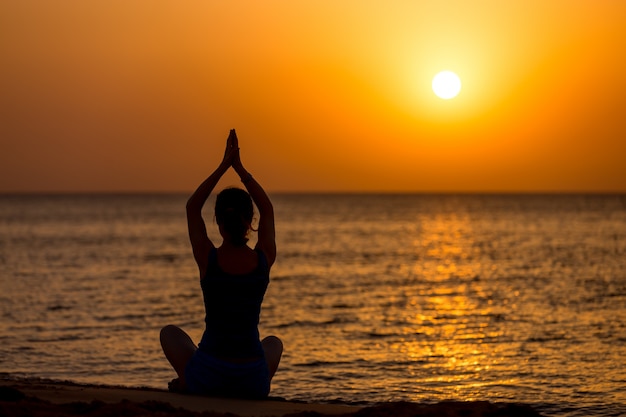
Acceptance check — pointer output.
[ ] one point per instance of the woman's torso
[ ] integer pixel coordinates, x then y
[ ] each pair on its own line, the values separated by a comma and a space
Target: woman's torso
233, 293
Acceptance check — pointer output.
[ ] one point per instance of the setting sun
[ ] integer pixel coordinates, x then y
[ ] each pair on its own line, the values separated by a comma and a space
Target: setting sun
446, 85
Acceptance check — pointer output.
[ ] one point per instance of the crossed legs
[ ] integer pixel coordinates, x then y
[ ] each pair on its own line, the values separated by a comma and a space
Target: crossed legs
179, 348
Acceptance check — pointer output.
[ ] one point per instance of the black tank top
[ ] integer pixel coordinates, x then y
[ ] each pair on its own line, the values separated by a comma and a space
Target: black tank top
233, 305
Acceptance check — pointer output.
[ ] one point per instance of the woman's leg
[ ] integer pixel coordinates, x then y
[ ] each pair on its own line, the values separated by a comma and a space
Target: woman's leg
273, 348
178, 348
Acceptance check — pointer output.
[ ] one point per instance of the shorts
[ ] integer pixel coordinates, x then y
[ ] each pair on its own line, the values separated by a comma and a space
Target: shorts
207, 375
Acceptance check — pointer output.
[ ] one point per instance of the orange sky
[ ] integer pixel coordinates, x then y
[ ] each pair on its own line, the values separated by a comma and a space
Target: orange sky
139, 95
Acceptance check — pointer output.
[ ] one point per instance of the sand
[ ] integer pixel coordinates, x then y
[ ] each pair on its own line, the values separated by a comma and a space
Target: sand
41, 398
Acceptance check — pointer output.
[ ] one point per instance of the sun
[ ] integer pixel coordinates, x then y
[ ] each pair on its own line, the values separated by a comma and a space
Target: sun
446, 85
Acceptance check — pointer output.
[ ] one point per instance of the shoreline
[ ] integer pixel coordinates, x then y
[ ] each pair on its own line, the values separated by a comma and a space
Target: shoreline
44, 398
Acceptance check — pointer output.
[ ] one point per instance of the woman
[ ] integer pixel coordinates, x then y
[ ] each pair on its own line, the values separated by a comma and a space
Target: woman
230, 360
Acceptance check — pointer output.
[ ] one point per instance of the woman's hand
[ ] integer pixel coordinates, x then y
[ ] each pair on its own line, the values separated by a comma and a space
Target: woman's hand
236, 161
232, 151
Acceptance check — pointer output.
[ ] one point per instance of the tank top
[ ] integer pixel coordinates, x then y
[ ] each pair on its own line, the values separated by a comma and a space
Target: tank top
233, 305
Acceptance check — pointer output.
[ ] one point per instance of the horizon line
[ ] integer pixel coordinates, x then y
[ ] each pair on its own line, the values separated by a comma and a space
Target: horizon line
323, 192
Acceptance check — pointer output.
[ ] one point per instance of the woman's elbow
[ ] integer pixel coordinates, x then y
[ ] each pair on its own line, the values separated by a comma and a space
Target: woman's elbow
266, 210
193, 209
193, 204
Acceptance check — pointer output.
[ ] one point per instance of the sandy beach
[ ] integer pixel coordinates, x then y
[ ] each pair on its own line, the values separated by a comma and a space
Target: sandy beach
43, 398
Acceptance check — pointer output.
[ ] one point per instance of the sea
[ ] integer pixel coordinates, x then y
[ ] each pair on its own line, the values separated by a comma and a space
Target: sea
507, 298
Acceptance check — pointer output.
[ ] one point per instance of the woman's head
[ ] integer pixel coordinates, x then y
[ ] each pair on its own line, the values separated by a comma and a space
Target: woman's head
233, 213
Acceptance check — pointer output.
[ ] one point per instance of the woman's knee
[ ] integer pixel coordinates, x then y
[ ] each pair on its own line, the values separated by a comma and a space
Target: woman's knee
273, 343
177, 347
273, 348
172, 336
168, 331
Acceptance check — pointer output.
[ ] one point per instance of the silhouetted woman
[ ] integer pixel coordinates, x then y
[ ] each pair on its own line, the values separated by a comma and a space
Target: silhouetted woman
230, 359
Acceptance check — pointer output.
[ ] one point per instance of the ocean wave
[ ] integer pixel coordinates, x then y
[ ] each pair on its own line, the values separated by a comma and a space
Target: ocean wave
310, 323
330, 364
164, 257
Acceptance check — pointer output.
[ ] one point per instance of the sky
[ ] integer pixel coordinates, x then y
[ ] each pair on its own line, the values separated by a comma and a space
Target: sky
326, 96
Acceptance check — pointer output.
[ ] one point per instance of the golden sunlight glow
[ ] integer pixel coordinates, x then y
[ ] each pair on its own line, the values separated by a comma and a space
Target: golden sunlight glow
446, 85
536, 78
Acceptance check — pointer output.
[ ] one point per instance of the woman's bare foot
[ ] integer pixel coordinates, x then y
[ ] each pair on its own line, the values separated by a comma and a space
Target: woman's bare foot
174, 386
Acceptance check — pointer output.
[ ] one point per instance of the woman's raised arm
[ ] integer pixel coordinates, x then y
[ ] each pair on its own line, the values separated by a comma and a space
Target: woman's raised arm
266, 234
200, 242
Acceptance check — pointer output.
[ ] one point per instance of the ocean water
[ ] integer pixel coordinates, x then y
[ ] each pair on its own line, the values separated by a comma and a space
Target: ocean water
505, 298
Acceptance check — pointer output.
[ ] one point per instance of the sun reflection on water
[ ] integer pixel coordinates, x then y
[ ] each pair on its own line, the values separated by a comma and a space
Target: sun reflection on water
451, 313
